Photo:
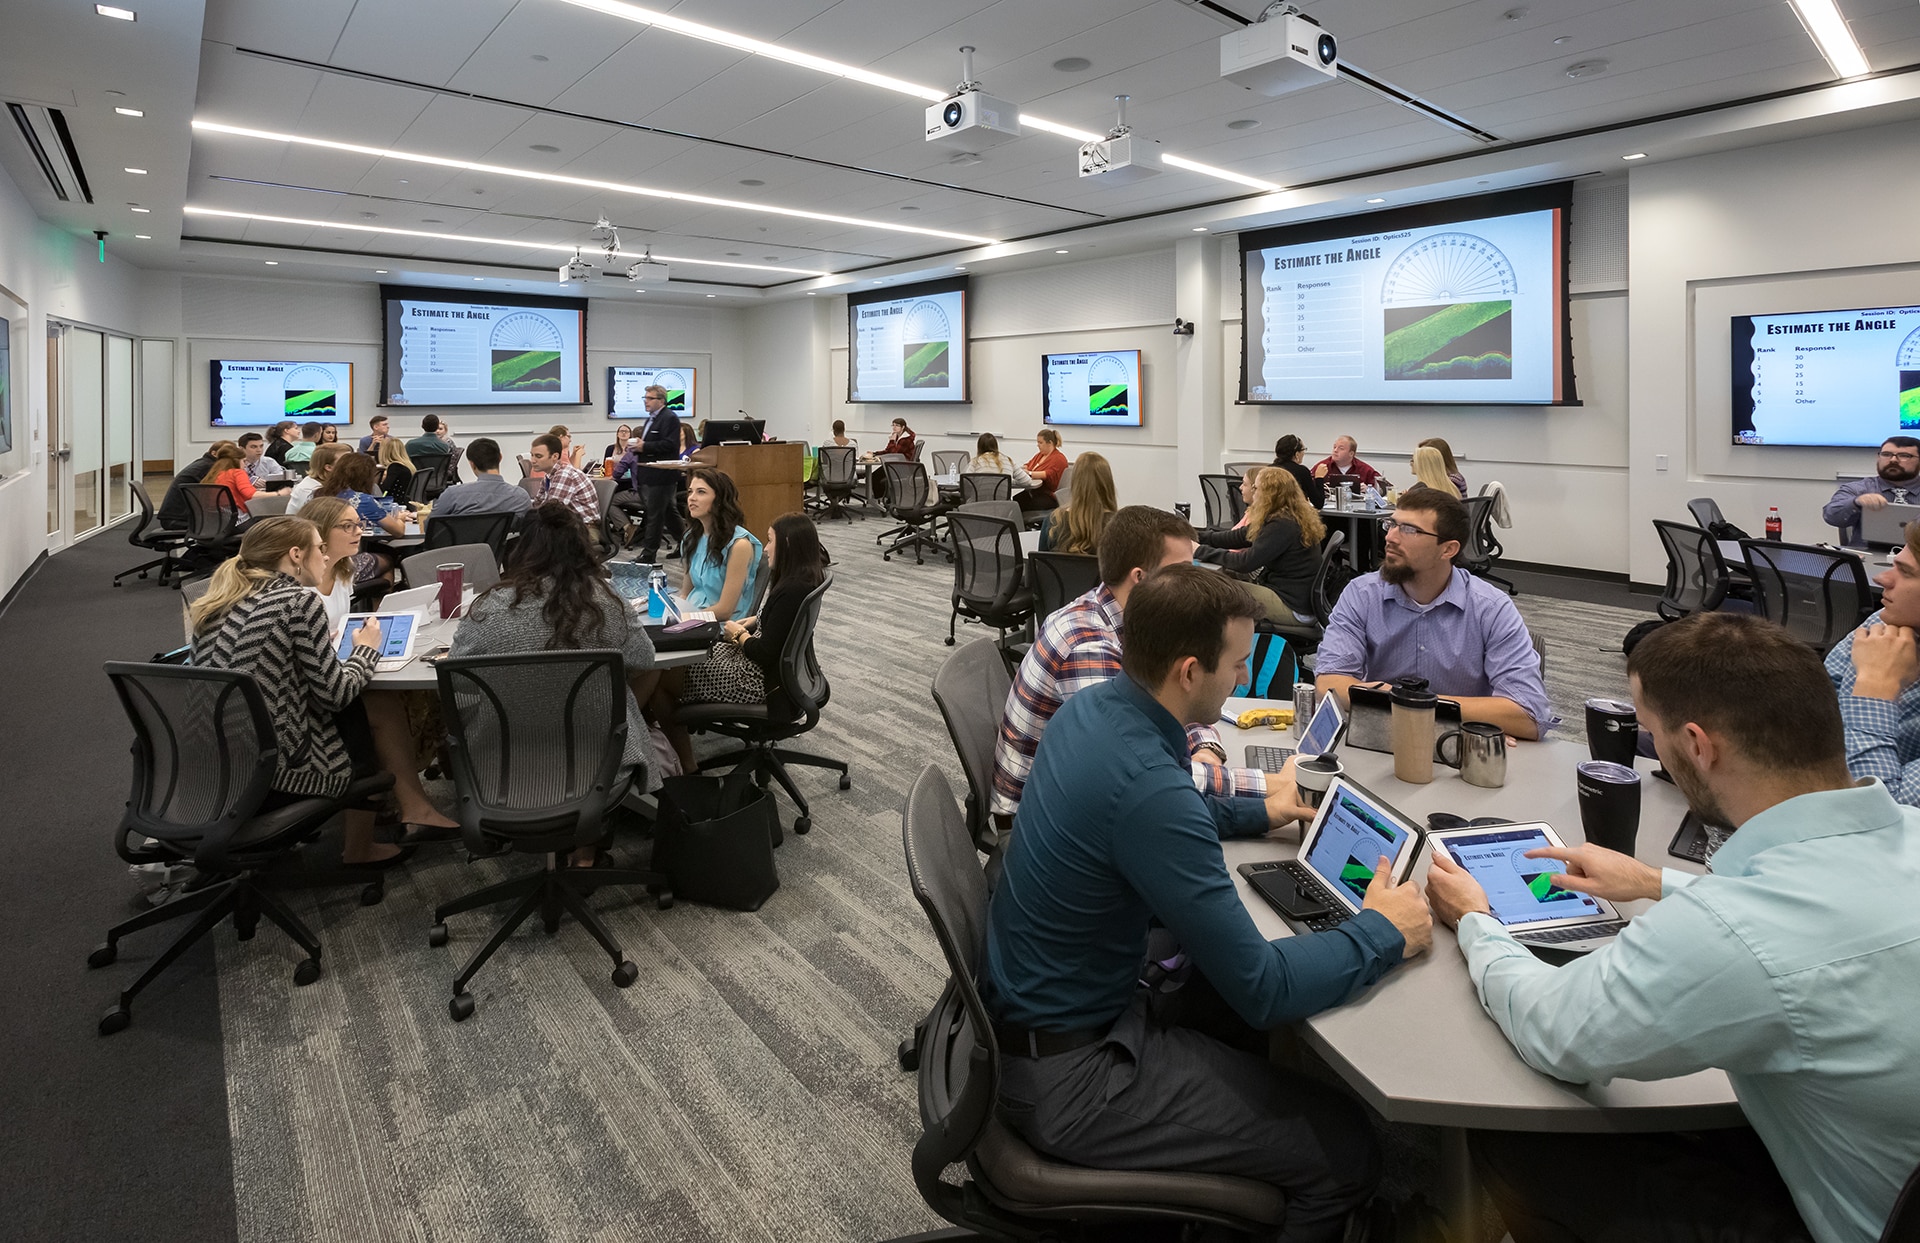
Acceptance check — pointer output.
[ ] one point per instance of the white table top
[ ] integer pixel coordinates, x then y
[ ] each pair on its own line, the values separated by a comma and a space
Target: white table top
1417, 1046
417, 674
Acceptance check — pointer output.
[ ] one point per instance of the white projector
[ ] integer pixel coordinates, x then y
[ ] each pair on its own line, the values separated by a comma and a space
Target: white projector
578, 270
647, 272
972, 121
1120, 160
1280, 55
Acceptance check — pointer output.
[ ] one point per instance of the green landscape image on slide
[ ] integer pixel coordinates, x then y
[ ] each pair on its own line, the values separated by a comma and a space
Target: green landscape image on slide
1356, 876
1460, 341
1909, 400
1541, 886
526, 371
312, 403
924, 365
1108, 400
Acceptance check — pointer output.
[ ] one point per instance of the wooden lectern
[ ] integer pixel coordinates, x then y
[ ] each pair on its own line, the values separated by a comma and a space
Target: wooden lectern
768, 478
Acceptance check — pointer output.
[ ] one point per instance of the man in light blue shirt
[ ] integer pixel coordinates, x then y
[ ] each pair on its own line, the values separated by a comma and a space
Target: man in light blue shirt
1419, 615
1876, 671
1794, 966
488, 493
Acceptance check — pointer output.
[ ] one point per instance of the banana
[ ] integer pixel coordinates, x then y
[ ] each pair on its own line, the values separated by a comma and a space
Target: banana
1253, 718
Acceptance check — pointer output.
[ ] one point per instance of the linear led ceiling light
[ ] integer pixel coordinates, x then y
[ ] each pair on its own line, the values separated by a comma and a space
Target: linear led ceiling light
387, 231
1829, 32
586, 183
758, 47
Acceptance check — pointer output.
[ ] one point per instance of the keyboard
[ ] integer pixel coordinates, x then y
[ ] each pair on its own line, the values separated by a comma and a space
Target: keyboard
1572, 932
1283, 875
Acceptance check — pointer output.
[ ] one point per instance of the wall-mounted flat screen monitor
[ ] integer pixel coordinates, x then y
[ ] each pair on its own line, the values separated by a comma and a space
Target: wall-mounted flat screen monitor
6, 386
1462, 302
1849, 378
1098, 388
499, 349
258, 393
627, 390
908, 343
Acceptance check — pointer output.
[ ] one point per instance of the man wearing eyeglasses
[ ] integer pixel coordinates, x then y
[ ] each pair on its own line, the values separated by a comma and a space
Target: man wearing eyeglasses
1896, 478
1419, 615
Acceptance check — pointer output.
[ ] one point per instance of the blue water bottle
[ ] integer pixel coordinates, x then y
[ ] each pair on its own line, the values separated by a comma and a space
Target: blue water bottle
656, 594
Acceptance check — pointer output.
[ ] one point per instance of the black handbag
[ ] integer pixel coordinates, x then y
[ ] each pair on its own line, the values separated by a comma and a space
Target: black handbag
715, 837
694, 638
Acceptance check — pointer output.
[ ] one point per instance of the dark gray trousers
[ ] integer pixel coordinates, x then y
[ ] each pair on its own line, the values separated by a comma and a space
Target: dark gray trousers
661, 501
1172, 1098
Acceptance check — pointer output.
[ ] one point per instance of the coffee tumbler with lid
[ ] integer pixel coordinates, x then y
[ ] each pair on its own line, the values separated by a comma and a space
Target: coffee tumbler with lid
1412, 730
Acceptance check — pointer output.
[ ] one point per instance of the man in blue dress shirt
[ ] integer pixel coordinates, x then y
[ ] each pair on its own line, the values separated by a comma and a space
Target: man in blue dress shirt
1876, 671
1110, 834
1793, 965
1419, 615
1896, 477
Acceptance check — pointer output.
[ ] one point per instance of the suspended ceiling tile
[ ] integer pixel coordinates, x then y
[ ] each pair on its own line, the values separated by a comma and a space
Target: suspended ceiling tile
420, 40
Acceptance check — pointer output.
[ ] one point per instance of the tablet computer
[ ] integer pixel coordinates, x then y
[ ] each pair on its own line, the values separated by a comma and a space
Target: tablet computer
1326, 885
1370, 719
1521, 890
397, 632
1322, 736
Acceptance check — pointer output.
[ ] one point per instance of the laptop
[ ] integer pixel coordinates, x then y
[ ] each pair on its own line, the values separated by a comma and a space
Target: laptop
1885, 527
1325, 886
1321, 737
1533, 910
412, 600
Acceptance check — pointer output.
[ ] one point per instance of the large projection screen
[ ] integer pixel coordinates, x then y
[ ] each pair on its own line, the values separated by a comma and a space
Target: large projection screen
908, 343
498, 349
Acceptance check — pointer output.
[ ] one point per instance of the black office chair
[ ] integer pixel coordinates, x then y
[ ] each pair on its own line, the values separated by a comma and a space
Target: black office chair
950, 461
150, 536
1483, 548
1013, 1191
989, 579
1903, 1224
536, 742
1818, 594
1058, 579
985, 486
1697, 576
970, 689
788, 713
1239, 469
915, 504
204, 756
1330, 578
213, 525
493, 530
836, 476
1705, 511
1221, 496
429, 479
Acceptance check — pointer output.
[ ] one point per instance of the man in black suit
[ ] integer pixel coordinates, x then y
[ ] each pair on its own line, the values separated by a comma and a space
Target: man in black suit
657, 441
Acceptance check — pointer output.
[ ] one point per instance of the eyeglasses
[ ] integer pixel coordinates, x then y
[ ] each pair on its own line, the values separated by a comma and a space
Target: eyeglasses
350, 524
1405, 528
1905, 455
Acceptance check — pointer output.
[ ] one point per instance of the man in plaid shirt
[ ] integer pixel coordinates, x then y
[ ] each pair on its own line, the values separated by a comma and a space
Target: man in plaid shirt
1079, 646
566, 484
1876, 672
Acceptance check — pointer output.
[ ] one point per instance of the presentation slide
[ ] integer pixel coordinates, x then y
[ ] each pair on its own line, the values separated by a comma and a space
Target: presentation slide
1352, 838
1826, 377
510, 350
627, 390
253, 393
1422, 305
1099, 389
1520, 890
908, 343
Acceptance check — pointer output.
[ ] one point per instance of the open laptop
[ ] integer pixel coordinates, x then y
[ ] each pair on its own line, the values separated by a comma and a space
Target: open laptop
1532, 909
1325, 886
1885, 527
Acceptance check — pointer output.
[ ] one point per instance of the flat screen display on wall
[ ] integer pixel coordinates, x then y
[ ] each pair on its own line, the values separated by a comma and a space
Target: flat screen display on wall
6, 386
1099, 388
1462, 302
503, 350
260, 393
1848, 378
627, 390
908, 343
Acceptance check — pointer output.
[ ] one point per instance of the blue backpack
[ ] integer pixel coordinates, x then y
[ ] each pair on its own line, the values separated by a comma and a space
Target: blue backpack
1274, 668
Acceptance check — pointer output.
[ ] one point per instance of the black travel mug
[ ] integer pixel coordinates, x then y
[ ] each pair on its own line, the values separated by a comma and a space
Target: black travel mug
1609, 804
1613, 731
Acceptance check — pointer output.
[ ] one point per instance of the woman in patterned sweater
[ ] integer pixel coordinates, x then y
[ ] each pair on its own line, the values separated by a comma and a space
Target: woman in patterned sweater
259, 616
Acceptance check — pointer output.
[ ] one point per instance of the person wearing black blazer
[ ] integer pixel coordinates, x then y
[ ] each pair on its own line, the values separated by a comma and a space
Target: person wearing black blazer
1287, 452
657, 441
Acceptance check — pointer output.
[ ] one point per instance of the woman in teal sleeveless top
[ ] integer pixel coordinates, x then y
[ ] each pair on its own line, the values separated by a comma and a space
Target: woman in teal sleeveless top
722, 557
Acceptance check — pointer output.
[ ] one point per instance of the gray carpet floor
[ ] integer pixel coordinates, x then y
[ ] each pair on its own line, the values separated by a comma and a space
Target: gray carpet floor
743, 1088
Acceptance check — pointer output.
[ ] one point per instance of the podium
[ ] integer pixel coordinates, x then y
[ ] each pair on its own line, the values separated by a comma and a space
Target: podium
768, 478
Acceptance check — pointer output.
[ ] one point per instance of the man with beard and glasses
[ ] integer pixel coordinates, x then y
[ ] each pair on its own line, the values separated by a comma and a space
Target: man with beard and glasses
1419, 615
1876, 671
1793, 965
1897, 478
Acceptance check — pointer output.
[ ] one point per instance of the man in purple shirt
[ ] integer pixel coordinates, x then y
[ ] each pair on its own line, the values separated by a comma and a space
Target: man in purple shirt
1896, 478
1420, 616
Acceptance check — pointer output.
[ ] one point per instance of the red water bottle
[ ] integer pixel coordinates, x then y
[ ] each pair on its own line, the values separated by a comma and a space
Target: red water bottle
1773, 523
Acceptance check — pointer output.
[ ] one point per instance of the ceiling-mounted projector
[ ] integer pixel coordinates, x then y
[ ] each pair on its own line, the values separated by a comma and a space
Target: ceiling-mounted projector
1122, 157
970, 119
578, 270
647, 272
1279, 54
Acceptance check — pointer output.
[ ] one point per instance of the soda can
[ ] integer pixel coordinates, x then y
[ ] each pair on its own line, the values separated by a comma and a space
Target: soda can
1303, 696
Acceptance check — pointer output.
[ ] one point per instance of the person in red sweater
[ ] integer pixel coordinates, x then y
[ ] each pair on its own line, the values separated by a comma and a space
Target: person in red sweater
229, 470
1047, 466
901, 441
1343, 466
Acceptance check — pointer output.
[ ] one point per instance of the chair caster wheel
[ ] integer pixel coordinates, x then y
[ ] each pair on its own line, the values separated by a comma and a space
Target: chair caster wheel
949, 640
460, 1009
908, 1055
625, 974
663, 900
437, 935
103, 956
374, 893
803, 825
307, 972
115, 1020
846, 781
886, 556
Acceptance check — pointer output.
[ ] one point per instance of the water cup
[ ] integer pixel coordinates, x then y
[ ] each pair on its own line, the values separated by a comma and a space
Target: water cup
1314, 775
1481, 756
450, 577
1613, 731
1609, 804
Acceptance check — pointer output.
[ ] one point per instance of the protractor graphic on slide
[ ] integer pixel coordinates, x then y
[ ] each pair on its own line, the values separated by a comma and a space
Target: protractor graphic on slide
924, 335
1537, 875
1907, 357
310, 393
925, 321
1448, 267
523, 330
526, 354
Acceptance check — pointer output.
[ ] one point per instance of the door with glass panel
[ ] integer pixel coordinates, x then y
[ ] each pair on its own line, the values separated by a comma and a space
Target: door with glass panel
90, 431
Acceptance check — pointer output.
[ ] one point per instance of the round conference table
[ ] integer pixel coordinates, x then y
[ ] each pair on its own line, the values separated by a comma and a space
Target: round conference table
417, 673
1417, 1046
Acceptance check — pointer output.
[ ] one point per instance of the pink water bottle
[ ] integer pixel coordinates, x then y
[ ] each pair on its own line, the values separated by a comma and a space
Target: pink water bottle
1773, 523
450, 577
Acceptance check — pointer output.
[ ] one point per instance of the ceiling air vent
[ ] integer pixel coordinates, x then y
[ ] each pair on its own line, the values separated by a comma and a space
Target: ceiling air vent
47, 136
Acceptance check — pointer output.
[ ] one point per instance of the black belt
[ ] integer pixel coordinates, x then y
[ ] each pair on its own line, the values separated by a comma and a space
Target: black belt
1033, 1042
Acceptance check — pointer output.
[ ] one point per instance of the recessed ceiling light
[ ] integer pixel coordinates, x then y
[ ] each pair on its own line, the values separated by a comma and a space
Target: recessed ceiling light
879, 282
1059, 252
1243, 123
272, 263
713, 295
959, 267
379, 271
733, 254
143, 237
479, 278
130, 112
1829, 31
909, 207
1563, 39
1637, 155
547, 147
564, 247
583, 182
813, 295
1514, 15
1073, 64
431, 220
138, 172
752, 181
537, 56
1376, 200
1587, 68
143, 210
1198, 228
108, 10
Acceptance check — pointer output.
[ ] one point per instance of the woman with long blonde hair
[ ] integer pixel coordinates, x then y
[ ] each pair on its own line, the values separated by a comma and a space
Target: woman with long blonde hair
1278, 548
1453, 466
1076, 527
397, 468
1430, 469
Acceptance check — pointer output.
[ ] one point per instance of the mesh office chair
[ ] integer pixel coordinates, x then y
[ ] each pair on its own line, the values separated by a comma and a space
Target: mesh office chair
1058, 579
536, 741
479, 569
429, 480
1818, 594
493, 530
1483, 548
985, 486
1705, 511
1697, 576
1221, 497
147, 534
788, 713
204, 756
1330, 578
1239, 469
1063, 493
1013, 1191
970, 689
915, 504
989, 580
213, 524
950, 461
836, 477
